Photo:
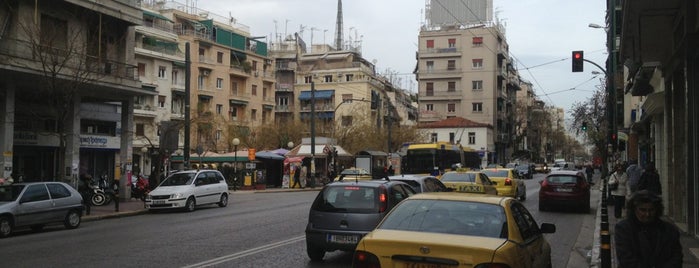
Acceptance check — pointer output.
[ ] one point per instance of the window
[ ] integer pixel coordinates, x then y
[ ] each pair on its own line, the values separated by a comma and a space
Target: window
200, 82
234, 88
308, 79
36, 192
349, 77
219, 109
161, 72
141, 69
478, 107
174, 77
477, 84
433, 137
477, 41
283, 101
451, 86
201, 53
54, 32
452, 42
477, 63
161, 101
234, 112
218, 137
58, 191
140, 130
328, 78
254, 90
451, 107
429, 89
219, 57
430, 66
430, 43
452, 135
253, 114
472, 138
429, 107
254, 65
219, 83
451, 65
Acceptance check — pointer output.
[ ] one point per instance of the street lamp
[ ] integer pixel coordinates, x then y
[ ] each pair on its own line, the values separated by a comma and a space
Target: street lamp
236, 142
290, 145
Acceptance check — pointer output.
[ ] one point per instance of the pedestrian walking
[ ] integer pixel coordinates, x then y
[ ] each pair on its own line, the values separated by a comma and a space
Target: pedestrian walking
643, 239
297, 177
634, 173
650, 180
618, 184
589, 171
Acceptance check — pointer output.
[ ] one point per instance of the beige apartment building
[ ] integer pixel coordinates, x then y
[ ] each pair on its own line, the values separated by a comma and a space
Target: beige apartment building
466, 72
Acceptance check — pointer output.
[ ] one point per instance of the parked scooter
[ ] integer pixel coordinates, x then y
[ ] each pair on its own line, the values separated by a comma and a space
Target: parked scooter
98, 196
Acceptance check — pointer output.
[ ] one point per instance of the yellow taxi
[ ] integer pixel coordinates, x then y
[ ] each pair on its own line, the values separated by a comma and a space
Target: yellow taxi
508, 182
469, 182
355, 174
443, 229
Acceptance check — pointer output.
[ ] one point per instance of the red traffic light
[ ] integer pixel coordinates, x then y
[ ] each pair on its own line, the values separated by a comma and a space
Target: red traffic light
577, 55
578, 61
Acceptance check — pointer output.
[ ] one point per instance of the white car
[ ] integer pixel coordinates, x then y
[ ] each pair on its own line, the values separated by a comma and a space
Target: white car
188, 189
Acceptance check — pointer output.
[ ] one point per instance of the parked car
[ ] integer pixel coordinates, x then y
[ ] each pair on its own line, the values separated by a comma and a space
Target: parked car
469, 182
36, 204
508, 183
188, 189
525, 171
565, 188
456, 230
422, 183
344, 211
355, 174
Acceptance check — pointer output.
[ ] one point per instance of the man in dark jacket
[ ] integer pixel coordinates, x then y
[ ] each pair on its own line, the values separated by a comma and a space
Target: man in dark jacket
650, 180
643, 239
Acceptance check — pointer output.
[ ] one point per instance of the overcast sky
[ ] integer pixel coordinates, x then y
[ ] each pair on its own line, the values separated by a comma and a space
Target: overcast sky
541, 35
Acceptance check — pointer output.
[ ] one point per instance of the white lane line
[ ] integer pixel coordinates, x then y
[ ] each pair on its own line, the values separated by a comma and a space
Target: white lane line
248, 252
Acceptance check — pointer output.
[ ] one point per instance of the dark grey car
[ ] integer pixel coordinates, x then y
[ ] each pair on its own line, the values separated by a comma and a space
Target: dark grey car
345, 211
422, 183
36, 204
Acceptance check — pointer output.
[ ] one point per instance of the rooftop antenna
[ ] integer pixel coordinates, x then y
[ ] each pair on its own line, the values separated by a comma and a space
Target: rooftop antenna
338, 27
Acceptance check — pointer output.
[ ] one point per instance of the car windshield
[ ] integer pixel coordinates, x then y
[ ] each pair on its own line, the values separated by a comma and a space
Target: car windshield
495, 173
347, 198
562, 179
450, 217
178, 179
9, 193
522, 167
459, 177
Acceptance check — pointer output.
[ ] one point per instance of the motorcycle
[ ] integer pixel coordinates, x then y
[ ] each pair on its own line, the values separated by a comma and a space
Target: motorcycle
102, 194
140, 188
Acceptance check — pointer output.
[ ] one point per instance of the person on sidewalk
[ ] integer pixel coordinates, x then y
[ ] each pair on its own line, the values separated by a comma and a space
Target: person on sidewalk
650, 180
297, 178
642, 239
634, 173
619, 179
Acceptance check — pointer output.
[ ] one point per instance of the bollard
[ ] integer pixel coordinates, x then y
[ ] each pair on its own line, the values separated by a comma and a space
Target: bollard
605, 250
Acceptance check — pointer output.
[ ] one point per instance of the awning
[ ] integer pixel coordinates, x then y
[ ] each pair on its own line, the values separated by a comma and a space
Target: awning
241, 56
237, 102
268, 155
155, 15
179, 64
267, 106
319, 94
205, 97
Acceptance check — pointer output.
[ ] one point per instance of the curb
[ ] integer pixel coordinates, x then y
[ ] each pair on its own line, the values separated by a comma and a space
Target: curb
89, 218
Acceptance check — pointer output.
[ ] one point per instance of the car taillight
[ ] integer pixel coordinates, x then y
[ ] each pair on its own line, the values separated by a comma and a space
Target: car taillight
383, 199
508, 181
363, 259
544, 185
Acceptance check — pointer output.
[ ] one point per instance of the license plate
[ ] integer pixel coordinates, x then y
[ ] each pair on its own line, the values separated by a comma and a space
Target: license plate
343, 239
564, 190
158, 202
424, 265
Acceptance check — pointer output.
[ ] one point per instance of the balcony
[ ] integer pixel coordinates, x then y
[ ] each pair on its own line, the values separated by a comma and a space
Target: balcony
440, 74
144, 110
439, 53
281, 87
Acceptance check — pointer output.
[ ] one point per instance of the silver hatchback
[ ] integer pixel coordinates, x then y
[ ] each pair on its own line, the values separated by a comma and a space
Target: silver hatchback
36, 204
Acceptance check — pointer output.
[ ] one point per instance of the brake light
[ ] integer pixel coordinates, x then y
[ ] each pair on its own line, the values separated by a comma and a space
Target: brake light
383, 199
363, 259
508, 181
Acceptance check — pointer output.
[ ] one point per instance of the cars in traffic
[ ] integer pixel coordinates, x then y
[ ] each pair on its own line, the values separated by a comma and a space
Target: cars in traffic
508, 183
344, 211
469, 182
564, 188
422, 183
541, 168
525, 171
36, 204
355, 174
456, 230
188, 189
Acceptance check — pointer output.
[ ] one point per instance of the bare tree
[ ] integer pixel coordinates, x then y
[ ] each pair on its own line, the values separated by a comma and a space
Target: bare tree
592, 112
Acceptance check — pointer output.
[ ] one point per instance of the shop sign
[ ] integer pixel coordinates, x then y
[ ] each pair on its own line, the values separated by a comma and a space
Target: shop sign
93, 141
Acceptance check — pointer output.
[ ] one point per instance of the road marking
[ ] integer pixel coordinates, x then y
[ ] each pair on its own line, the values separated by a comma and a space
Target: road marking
248, 252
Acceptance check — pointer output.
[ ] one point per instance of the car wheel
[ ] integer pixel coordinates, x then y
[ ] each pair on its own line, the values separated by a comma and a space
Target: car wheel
5, 227
315, 253
37, 227
224, 201
190, 205
72, 220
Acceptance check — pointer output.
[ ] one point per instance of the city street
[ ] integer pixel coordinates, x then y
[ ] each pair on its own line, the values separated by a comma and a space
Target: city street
255, 230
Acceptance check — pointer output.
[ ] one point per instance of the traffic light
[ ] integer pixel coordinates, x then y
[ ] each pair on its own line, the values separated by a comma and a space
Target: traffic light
584, 126
577, 61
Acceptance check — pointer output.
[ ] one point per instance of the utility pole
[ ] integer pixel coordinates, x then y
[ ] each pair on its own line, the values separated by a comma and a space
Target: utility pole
187, 90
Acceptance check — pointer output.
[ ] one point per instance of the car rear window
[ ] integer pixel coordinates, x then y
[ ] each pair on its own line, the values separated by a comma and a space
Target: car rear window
562, 179
495, 173
459, 177
450, 217
347, 198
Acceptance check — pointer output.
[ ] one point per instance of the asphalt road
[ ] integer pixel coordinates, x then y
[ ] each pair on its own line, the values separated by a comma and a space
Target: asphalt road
255, 230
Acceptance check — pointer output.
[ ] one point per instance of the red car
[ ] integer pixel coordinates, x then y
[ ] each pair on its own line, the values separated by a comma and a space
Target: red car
565, 188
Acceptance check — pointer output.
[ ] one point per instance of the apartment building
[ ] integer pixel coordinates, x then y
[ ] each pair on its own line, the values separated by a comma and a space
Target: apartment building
465, 71
68, 82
